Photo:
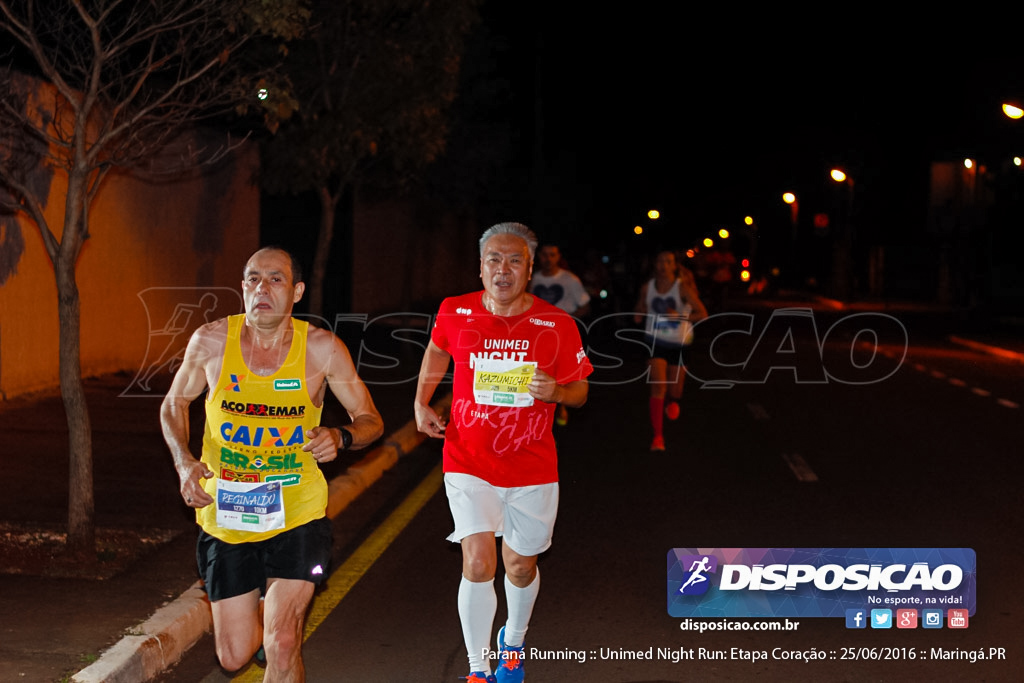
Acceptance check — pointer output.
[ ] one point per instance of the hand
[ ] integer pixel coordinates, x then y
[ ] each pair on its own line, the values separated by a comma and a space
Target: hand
323, 443
543, 387
429, 422
191, 476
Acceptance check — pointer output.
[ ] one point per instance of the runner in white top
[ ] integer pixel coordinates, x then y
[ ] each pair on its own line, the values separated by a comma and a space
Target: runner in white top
668, 306
559, 287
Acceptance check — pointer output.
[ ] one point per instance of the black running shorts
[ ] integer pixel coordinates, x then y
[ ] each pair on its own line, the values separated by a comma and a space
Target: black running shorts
231, 569
674, 355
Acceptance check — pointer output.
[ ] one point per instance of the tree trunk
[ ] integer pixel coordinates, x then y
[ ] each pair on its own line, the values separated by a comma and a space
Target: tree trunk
315, 287
81, 521
81, 541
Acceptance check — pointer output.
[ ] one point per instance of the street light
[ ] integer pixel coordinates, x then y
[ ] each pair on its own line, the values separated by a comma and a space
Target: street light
1014, 112
842, 245
794, 216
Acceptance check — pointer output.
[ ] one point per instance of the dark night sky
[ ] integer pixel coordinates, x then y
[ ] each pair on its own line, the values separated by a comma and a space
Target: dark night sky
709, 119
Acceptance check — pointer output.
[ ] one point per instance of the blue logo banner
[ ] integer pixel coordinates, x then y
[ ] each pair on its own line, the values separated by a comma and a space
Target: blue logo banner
818, 582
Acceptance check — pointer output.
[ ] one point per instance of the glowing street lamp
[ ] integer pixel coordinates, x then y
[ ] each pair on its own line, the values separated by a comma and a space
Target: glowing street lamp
653, 214
1014, 112
794, 213
842, 246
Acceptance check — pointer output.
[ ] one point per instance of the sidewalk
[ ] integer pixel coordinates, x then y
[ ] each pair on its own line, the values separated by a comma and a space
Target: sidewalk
145, 617
1001, 338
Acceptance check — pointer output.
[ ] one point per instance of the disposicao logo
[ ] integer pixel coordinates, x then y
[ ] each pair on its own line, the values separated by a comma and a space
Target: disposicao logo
695, 581
817, 582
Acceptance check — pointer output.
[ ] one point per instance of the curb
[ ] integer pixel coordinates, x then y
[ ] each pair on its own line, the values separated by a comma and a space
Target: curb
988, 348
831, 303
160, 641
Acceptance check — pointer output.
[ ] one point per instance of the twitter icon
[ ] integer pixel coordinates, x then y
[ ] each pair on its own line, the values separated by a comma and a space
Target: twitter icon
881, 618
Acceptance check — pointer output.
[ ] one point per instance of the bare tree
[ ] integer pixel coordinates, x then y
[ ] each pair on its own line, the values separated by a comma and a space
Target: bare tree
121, 77
371, 85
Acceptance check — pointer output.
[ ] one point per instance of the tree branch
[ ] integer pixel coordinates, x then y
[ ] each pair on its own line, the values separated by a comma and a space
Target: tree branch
26, 201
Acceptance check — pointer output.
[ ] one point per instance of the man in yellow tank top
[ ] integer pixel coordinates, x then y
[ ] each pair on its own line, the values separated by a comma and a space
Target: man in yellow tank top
259, 495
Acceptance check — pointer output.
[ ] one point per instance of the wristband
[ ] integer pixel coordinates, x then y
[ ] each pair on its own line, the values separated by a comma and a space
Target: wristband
346, 438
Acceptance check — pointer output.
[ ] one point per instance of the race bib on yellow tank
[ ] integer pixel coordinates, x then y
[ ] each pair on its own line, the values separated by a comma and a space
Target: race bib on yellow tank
498, 382
250, 506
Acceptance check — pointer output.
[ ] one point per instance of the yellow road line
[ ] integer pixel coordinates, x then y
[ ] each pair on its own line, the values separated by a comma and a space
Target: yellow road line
353, 569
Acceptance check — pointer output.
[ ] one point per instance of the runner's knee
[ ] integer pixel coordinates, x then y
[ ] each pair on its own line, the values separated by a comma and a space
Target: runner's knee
283, 644
479, 558
234, 653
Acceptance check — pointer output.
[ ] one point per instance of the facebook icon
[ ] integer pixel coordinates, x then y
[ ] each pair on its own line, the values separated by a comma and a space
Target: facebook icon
856, 618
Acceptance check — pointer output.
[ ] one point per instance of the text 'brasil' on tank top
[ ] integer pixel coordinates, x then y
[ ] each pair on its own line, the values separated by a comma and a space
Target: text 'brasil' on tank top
255, 429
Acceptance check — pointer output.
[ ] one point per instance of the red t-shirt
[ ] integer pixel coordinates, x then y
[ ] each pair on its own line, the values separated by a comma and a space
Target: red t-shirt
503, 445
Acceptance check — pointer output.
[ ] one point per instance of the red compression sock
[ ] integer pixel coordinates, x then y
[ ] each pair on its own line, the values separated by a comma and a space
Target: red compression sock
657, 408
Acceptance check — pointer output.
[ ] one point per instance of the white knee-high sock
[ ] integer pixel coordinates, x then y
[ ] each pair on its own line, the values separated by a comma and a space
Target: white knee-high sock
477, 604
520, 607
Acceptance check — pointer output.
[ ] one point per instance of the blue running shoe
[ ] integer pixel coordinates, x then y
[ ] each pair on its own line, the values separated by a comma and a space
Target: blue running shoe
480, 677
510, 667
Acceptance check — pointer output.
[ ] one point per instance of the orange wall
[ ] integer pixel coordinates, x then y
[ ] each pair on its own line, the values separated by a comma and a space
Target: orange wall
156, 245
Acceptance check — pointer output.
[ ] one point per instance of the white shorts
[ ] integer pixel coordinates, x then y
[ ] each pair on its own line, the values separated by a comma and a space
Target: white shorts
524, 515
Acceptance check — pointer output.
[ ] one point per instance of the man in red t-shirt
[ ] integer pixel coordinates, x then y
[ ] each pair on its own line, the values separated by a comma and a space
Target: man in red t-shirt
516, 357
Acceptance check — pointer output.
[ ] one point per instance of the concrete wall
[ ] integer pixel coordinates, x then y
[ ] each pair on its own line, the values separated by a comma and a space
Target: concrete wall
165, 252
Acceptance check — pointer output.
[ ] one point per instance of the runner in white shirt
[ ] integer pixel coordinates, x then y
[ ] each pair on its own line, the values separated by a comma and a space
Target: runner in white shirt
668, 306
559, 287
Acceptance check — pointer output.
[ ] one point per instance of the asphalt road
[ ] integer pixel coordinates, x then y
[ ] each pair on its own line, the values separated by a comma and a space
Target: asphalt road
898, 444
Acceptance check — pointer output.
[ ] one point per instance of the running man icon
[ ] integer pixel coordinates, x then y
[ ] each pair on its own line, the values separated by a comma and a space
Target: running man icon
697, 570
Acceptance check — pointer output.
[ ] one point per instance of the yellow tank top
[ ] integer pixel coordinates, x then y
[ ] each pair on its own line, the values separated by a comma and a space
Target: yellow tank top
255, 428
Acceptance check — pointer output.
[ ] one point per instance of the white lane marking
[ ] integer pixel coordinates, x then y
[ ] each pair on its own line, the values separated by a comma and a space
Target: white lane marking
758, 411
801, 470
977, 391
